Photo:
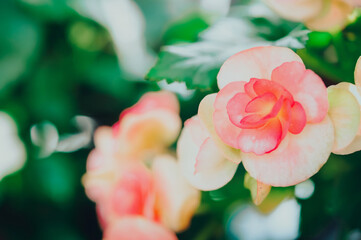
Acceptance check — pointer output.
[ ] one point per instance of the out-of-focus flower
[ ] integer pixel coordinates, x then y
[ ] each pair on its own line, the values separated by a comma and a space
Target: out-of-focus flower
134, 184
319, 15
271, 112
125, 23
12, 149
345, 104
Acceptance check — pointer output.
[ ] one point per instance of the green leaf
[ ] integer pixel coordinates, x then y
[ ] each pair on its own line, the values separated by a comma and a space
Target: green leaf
197, 64
19, 44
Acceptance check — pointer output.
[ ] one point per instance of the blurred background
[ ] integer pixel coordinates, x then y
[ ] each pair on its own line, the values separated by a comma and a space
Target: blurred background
68, 66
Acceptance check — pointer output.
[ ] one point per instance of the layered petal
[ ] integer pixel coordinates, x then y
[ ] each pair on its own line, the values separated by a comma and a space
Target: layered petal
297, 118
345, 115
135, 228
177, 200
306, 87
297, 158
207, 177
256, 62
261, 140
236, 108
206, 112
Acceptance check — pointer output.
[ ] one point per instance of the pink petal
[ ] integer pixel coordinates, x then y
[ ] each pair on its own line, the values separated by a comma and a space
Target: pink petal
263, 86
297, 118
296, 10
253, 121
224, 128
257, 62
210, 176
248, 88
236, 108
151, 101
135, 228
177, 200
262, 104
296, 159
205, 113
306, 87
227, 93
134, 192
261, 140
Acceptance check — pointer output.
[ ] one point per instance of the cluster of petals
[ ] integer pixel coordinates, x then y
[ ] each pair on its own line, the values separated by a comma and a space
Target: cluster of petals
138, 188
272, 114
319, 15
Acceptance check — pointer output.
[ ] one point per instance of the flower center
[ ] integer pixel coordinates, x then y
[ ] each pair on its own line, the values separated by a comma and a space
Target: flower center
262, 102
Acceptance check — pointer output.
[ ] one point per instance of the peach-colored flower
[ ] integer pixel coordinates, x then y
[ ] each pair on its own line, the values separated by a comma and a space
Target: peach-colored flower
345, 105
319, 15
270, 109
150, 197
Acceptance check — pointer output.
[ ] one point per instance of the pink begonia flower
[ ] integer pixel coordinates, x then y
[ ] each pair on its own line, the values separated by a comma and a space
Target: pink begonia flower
270, 109
345, 105
131, 192
319, 15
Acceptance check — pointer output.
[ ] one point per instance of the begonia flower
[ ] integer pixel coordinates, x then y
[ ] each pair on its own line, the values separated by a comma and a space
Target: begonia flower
319, 15
272, 110
152, 198
345, 105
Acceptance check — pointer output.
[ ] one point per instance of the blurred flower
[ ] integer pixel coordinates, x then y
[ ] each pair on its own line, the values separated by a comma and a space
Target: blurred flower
133, 182
270, 112
12, 149
345, 104
125, 23
319, 15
